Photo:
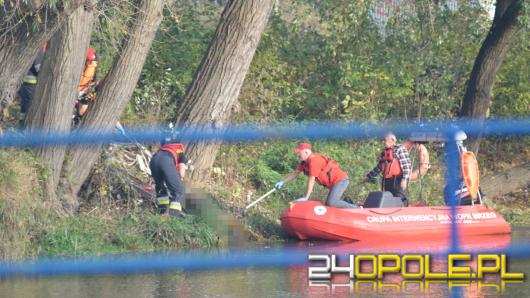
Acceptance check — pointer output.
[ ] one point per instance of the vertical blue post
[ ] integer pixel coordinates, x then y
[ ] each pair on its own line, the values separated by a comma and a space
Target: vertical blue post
452, 179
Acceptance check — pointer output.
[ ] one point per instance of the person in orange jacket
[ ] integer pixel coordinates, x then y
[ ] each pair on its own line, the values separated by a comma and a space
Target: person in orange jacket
87, 82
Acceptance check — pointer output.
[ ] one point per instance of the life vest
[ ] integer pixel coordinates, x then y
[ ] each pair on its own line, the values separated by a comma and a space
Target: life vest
470, 173
88, 76
324, 178
389, 165
175, 150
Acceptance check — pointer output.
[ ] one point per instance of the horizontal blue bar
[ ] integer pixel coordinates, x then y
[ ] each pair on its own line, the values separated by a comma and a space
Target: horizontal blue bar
253, 133
188, 261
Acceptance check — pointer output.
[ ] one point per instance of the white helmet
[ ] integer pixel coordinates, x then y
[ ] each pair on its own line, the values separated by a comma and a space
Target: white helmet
460, 136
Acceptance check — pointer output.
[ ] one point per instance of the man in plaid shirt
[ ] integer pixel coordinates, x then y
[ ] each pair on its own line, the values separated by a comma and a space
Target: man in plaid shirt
395, 166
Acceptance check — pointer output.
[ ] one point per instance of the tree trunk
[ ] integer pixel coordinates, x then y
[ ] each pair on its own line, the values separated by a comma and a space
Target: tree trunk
117, 89
58, 87
476, 101
217, 82
15, 59
20, 41
507, 181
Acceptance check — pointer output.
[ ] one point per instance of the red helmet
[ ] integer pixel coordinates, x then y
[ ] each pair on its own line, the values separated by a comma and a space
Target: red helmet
91, 54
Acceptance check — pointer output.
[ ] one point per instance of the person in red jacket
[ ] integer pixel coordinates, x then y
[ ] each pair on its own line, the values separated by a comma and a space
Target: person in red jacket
322, 170
168, 168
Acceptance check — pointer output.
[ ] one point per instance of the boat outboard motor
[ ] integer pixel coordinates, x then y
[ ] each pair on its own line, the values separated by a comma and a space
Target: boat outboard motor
385, 199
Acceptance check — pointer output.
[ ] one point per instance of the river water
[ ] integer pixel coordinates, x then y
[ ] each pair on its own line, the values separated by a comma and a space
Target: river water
277, 282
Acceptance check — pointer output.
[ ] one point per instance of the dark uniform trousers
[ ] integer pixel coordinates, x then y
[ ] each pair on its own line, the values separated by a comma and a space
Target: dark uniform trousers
167, 177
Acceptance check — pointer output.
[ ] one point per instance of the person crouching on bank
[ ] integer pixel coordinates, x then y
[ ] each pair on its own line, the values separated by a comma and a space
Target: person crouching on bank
322, 170
168, 168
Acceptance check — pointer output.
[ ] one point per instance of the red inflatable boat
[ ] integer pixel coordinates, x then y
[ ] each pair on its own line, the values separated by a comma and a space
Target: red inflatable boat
313, 220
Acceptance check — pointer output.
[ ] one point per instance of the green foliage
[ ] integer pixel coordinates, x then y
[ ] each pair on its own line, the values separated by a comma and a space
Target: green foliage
110, 29
511, 95
524, 17
175, 54
332, 61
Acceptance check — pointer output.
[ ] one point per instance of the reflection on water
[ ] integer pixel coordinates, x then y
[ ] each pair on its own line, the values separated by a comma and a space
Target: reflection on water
280, 282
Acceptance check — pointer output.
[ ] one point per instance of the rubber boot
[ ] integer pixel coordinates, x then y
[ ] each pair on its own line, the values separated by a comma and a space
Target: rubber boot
77, 120
162, 204
21, 120
175, 210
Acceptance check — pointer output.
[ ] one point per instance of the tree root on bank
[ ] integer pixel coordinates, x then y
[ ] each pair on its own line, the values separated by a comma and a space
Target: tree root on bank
116, 181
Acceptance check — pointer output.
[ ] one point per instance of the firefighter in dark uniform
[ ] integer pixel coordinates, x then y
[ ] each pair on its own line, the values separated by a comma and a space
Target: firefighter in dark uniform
168, 168
30, 83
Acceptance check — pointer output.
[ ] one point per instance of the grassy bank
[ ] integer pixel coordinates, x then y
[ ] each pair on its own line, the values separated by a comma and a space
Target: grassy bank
30, 228
515, 208
117, 231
